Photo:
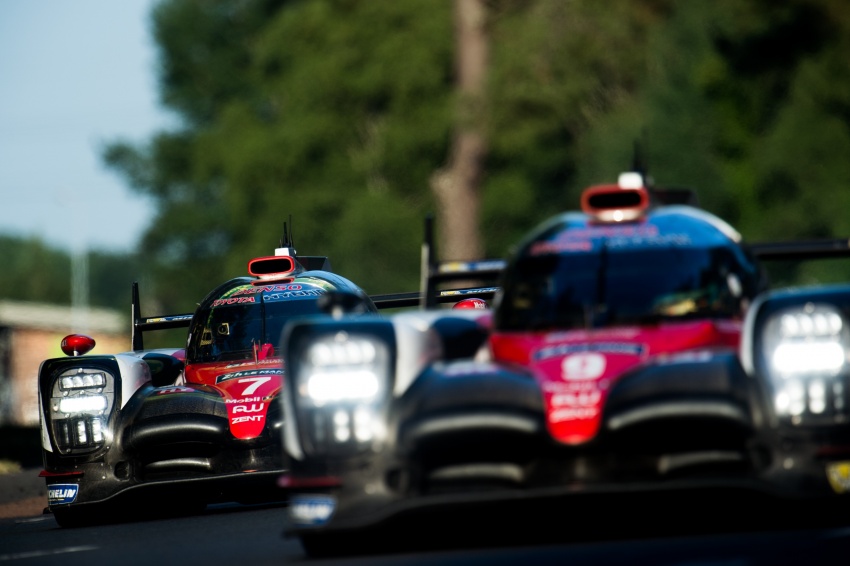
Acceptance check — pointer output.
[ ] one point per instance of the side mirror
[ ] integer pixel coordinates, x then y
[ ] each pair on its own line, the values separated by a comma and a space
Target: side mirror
165, 369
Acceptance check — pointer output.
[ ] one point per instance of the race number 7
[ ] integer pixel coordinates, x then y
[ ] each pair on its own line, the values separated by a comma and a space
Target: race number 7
255, 382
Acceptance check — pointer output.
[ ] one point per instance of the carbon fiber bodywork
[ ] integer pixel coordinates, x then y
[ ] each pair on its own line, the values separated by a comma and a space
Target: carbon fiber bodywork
152, 432
640, 362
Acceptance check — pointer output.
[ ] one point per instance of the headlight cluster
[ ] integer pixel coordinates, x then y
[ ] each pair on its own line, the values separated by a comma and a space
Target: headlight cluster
342, 381
80, 402
343, 369
805, 349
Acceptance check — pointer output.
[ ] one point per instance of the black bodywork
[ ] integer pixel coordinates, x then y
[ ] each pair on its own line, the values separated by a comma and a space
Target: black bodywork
465, 440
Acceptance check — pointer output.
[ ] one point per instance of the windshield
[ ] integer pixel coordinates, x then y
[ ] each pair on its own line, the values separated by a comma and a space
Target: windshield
616, 287
228, 332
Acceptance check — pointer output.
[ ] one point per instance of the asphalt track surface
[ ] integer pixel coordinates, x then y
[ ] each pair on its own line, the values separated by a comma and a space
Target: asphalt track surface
253, 536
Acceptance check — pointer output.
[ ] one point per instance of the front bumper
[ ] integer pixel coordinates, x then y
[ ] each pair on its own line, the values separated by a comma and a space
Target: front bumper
243, 476
329, 497
245, 487
686, 506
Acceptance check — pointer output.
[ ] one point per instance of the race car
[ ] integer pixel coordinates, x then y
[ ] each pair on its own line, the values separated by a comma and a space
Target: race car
173, 429
633, 349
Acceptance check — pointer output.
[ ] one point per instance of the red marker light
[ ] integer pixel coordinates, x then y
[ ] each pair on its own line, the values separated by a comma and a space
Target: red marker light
77, 344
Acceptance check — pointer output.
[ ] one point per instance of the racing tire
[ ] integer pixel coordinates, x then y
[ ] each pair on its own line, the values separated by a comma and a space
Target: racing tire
71, 518
335, 545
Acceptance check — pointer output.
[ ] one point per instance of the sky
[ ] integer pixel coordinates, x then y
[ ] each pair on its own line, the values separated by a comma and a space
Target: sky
74, 76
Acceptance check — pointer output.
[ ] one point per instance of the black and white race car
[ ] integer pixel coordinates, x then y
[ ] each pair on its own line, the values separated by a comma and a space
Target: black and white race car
147, 431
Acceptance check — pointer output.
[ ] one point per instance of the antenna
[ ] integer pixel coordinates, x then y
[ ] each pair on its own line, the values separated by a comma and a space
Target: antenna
287, 246
639, 159
291, 238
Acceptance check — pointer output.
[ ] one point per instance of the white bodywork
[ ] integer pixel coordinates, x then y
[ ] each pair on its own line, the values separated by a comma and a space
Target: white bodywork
134, 373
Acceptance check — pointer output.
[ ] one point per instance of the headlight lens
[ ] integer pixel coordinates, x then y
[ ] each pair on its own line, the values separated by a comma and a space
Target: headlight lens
805, 348
80, 403
83, 404
341, 381
343, 369
82, 381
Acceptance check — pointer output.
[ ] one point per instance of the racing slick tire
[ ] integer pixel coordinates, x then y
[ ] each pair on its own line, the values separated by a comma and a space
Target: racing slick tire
69, 518
334, 545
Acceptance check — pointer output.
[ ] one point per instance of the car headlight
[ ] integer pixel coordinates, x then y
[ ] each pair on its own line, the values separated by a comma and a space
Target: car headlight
339, 380
342, 368
801, 345
81, 400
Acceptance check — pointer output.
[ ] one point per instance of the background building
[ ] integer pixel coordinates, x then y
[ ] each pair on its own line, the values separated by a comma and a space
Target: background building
31, 333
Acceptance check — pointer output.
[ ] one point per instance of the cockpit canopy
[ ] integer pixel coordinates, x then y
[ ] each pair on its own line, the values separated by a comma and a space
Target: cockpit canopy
242, 317
675, 265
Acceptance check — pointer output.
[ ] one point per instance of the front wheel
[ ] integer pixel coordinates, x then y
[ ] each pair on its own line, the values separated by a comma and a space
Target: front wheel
334, 545
72, 517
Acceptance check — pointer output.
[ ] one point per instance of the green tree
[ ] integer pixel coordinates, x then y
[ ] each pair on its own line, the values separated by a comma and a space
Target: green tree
339, 117
37, 272
33, 271
337, 113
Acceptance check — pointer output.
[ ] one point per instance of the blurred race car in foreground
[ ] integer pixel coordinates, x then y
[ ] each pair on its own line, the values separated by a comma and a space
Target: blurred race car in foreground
633, 350
177, 428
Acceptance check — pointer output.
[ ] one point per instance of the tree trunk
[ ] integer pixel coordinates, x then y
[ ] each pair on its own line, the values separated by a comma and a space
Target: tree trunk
457, 186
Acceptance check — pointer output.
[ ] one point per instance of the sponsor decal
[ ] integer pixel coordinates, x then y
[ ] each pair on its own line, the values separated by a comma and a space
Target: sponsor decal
233, 301
252, 408
581, 403
280, 292
624, 333
583, 239
680, 357
626, 348
175, 389
613, 231
248, 400
247, 419
656, 240
838, 474
576, 398
575, 386
467, 368
269, 289
282, 296
169, 318
454, 292
583, 366
248, 373
572, 413
62, 493
267, 361
311, 510
544, 248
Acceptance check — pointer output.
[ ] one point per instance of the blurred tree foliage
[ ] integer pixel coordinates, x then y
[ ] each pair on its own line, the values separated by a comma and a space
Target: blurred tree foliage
36, 272
336, 113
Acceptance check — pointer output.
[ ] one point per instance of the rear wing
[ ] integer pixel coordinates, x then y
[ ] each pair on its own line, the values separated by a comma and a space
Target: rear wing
414, 298
434, 275
804, 249
142, 324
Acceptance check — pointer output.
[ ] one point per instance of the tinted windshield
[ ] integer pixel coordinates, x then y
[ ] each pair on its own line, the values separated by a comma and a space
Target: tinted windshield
614, 287
228, 332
